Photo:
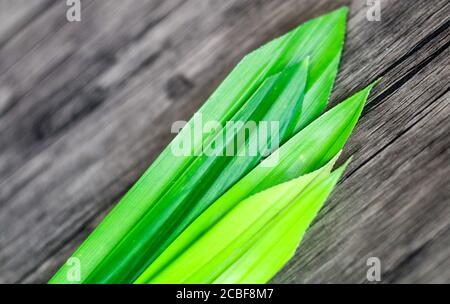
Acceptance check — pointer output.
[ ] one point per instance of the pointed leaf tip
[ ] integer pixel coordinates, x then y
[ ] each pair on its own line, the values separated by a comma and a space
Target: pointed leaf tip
341, 12
375, 82
359, 99
337, 174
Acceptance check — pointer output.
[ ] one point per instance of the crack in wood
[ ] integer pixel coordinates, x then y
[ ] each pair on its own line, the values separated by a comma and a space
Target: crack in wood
399, 83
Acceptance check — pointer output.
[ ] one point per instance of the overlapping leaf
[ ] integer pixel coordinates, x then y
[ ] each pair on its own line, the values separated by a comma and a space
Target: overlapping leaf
270, 223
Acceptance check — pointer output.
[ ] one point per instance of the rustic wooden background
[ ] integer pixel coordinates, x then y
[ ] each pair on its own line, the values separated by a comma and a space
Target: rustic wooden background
85, 107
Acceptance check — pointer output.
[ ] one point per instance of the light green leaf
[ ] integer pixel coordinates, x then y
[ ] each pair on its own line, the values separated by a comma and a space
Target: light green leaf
275, 245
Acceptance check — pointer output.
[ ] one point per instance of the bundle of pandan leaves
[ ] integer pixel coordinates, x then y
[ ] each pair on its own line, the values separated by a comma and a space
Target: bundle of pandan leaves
220, 218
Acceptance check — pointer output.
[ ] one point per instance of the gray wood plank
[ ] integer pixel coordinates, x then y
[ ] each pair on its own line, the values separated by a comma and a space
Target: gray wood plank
88, 106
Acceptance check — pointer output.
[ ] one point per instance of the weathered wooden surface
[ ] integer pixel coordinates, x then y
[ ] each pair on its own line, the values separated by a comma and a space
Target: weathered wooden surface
85, 107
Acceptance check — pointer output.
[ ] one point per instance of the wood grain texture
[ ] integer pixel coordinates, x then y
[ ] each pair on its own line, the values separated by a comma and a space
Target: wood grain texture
85, 108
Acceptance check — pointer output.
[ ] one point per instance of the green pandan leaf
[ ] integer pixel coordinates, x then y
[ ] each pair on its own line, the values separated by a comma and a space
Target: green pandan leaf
308, 150
103, 257
275, 245
230, 249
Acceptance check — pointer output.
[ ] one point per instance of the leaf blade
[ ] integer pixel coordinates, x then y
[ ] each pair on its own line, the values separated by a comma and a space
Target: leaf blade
267, 257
